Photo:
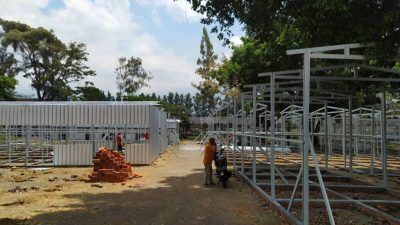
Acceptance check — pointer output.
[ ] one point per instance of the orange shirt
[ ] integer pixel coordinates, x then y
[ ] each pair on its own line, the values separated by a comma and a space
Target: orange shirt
208, 154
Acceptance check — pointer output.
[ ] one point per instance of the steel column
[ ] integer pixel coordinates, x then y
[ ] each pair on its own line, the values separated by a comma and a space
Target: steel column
306, 135
273, 136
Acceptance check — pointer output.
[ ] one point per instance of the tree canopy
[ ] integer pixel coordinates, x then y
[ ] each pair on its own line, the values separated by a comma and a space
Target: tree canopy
91, 93
309, 22
131, 76
272, 27
208, 87
50, 64
8, 71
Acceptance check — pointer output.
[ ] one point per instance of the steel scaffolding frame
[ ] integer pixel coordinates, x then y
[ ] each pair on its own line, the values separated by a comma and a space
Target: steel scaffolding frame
349, 126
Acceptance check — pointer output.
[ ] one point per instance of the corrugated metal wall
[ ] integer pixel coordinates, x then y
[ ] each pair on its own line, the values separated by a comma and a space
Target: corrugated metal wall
138, 154
74, 131
158, 132
73, 114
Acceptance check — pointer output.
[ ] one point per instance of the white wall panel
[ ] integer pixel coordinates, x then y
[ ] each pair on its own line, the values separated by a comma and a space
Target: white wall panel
66, 155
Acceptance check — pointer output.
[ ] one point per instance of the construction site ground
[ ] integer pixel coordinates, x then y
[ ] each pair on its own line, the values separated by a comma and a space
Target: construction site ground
169, 192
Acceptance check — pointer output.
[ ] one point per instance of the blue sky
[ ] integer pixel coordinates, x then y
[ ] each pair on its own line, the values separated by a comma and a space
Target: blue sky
164, 33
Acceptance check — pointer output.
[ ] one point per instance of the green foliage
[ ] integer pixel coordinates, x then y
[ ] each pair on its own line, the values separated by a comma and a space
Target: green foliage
310, 23
50, 64
8, 70
90, 93
7, 85
131, 75
209, 87
273, 27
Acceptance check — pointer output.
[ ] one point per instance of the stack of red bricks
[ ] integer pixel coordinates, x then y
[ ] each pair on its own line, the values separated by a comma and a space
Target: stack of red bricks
110, 166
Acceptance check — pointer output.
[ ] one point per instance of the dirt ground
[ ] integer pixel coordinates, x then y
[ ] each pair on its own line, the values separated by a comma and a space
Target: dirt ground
170, 192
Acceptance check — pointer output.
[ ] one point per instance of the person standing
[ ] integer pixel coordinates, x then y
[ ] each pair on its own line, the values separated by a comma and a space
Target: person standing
209, 153
119, 140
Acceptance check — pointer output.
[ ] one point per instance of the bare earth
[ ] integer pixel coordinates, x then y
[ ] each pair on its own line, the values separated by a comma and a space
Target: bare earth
170, 192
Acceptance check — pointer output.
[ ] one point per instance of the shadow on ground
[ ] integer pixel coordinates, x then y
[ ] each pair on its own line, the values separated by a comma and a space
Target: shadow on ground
174, 200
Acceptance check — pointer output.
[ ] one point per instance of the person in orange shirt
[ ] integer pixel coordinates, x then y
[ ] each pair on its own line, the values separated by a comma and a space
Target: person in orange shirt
209, 153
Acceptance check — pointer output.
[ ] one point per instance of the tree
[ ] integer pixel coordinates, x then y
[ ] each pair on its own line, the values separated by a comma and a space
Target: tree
208, 88
177, 99
109, 96
90, 93
311, 21
131, 75
170, 98
275, 26
188, 103
50, 64
198, 107
8, 71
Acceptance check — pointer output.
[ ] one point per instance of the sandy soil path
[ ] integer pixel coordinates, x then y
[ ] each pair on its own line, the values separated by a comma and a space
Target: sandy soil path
170, 192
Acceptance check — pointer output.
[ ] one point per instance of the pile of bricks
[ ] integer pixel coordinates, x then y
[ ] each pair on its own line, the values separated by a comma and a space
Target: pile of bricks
110, 166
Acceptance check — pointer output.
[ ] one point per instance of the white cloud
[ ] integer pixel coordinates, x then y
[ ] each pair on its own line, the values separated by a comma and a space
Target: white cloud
156, 17
109, 30
180, 10
236, 40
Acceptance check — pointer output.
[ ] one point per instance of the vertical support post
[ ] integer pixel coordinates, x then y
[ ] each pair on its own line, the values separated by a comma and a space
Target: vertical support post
356, 139
331, 131
350, 136
306, 136
243, 142
265, 121
27, 142
326, 136
92, 140
383, 138
282, 134
344, 138
253, 139
234, 132
41, 142
8, 142
372, 140
272, 101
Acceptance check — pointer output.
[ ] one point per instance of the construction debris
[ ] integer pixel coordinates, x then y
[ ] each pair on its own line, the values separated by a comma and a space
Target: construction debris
110, 166
19, 189
99, 185
52, 179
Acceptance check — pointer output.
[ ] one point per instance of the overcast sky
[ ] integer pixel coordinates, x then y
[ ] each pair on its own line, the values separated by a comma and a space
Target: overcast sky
164, 33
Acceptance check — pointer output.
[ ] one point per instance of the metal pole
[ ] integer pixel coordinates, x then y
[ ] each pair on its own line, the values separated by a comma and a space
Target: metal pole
234, 133
254, 121
383, 138
273, 135
41, 142
243, 142
372, 140
326, 136
27, 142
8, 142
344, 138
306, 135
350, 136
283, 133
322, 185
357, 131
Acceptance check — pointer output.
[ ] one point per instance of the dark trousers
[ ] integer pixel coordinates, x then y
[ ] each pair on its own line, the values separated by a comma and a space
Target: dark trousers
120, 148
208, 174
